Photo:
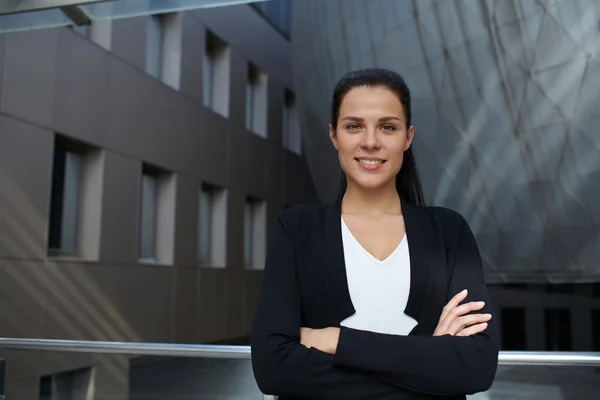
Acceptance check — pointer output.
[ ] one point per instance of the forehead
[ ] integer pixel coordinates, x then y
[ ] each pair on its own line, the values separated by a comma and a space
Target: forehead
369, 100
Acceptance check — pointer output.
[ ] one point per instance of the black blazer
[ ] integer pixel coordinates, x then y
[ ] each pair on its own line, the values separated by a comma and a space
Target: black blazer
304, 285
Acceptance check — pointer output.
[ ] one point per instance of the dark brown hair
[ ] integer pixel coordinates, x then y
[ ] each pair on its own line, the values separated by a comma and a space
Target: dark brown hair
408, 183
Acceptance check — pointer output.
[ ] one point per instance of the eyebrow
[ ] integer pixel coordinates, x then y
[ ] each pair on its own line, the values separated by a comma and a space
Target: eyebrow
382, 119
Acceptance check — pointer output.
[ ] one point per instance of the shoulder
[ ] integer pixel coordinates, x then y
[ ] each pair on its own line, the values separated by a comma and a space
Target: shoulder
445, 217
303, 216
449, 224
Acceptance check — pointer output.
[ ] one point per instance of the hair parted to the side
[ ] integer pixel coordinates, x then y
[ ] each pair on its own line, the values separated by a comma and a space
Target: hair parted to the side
408, 183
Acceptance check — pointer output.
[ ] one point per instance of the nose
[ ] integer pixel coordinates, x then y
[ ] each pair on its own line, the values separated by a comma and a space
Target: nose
370, 139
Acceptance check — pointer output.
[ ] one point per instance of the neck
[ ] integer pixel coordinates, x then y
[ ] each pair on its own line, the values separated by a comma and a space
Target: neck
373, 202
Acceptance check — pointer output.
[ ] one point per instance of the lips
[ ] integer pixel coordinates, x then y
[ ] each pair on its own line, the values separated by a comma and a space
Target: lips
369, 161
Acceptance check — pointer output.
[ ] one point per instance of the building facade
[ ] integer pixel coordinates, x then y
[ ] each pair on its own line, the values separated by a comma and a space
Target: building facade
142, 164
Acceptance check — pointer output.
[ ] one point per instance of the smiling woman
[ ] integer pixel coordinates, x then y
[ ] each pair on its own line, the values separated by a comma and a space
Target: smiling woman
374, 296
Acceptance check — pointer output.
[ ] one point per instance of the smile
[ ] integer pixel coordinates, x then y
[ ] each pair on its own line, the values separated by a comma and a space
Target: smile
370, 162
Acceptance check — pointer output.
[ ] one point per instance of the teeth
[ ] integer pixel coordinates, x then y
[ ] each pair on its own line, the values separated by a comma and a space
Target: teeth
371, 162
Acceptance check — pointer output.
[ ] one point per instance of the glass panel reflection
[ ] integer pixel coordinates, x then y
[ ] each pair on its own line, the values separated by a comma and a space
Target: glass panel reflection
56, 375
544, 383
35, 19
133, 8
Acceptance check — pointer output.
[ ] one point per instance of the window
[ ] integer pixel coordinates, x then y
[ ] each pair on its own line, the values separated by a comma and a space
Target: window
291, 130
205, 225
64, 205
596, 290
70, 385
248, 233
75, 212
163, 48
148, 216
558, 330
256, 101
513, 329
254, 233
596, 329
212, 208
562, 288
157, 215
98, 31
101, 32
216, 75
154, 45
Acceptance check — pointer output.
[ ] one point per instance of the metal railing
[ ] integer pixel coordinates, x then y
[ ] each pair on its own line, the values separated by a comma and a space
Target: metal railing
243, 352
511, 358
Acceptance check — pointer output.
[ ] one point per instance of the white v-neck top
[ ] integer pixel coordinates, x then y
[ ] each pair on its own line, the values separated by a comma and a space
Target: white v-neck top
378, 288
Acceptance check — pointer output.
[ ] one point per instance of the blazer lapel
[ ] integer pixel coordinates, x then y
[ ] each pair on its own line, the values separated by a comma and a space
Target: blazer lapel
335, 262
336, 266
419, 262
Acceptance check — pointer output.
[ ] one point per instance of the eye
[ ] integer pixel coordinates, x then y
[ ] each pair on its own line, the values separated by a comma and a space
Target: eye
353, 127
389, 128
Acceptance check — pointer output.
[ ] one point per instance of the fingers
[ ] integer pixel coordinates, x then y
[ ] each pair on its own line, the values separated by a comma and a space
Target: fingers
453, 310
473, 330
454, 302
467, 321
467, 308
443, 322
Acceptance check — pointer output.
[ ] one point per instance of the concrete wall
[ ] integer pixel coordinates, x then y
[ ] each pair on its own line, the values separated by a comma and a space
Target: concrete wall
58, 81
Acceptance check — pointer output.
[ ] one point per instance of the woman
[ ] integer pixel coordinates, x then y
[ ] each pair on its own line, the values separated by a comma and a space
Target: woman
374, 296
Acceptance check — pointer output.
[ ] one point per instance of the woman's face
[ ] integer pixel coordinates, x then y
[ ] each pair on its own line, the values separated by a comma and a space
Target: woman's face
371, 136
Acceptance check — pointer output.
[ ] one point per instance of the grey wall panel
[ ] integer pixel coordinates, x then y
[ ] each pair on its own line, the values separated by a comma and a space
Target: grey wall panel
212, 135
186, 306
186, 234
81, 95
188, 125
120, 208
156, 143
192, 50
211, 304
25, 281
251, 290
2, 57
127, 104
28, 79
237, 89
234, 305
25, 161
296, 179
129, 40
257, 163
100, 307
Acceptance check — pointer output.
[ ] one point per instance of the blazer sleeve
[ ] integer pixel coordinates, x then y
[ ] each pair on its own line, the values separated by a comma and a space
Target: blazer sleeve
281, 364
444, 365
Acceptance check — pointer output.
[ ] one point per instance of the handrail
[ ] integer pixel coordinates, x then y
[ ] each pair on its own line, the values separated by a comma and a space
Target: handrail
243, 352
128, 348
560, 358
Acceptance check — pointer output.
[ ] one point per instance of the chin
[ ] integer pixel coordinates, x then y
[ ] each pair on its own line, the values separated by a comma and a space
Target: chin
371, 183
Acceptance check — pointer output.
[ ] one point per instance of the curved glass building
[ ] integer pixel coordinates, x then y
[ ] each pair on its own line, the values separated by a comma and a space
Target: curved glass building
506, 107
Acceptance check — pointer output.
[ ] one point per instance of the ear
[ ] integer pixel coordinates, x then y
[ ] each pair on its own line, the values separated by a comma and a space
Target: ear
333, 137
410, 135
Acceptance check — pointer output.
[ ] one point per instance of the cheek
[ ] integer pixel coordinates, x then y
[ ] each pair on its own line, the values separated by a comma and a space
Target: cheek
347, 147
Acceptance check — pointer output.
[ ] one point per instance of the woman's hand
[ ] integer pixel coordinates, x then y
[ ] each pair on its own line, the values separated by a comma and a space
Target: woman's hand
453, 320
325, 340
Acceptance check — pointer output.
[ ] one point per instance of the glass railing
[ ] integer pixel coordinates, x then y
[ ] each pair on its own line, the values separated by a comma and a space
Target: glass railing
39, 369
26, 15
